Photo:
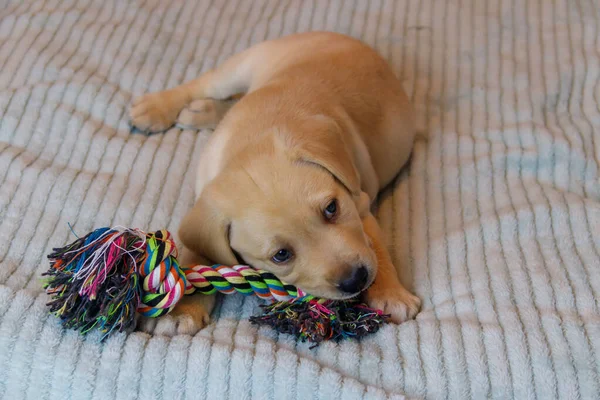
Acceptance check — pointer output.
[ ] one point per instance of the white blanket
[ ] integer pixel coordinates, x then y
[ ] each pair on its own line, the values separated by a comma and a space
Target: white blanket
498, 213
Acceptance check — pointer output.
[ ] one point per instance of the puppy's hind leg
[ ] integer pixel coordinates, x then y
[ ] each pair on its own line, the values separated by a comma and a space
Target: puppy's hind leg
156, 112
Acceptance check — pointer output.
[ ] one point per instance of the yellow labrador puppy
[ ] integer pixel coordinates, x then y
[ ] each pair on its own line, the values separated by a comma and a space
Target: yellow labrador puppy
286, 180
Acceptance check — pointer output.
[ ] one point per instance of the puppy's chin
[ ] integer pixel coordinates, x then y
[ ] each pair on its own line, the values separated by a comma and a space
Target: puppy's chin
345, 296
333, 293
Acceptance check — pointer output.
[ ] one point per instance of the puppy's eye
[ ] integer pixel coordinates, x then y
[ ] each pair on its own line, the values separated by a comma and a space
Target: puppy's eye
282, 255
331, 210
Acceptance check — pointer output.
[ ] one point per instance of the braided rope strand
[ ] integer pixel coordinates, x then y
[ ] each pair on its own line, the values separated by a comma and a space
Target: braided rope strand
164, 282
239, 279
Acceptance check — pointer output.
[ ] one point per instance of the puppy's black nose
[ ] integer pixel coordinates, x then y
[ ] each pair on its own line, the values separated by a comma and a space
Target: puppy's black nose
356, 281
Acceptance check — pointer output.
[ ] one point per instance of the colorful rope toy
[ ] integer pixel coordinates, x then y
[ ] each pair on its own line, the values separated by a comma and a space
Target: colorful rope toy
101, 280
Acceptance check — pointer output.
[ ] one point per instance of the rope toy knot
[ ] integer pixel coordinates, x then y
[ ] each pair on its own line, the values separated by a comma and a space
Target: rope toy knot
163, 280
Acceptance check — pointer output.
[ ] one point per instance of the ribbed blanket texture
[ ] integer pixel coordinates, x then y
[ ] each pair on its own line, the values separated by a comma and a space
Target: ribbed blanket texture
497, 216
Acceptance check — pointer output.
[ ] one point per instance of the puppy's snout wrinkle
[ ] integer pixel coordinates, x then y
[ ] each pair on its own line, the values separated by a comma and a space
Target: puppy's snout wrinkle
356, 281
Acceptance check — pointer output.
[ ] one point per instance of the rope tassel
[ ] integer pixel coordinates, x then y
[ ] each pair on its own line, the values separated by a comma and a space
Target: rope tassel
102, 279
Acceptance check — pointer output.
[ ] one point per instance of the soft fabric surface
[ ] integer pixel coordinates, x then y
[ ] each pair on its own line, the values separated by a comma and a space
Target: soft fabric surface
497, 215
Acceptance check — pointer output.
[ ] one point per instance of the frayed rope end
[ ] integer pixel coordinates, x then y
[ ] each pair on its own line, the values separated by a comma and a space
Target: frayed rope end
316, 320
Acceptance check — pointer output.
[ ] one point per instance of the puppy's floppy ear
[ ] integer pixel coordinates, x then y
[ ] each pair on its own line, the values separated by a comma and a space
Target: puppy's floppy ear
321, 143
363, 204
205, 229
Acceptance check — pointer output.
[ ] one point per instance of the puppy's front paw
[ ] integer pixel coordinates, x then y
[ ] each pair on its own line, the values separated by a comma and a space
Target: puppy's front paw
187, 318
396, 301
172, 325
155, 112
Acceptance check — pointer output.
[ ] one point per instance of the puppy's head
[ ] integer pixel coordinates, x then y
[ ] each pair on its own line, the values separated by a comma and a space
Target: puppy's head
293, 208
